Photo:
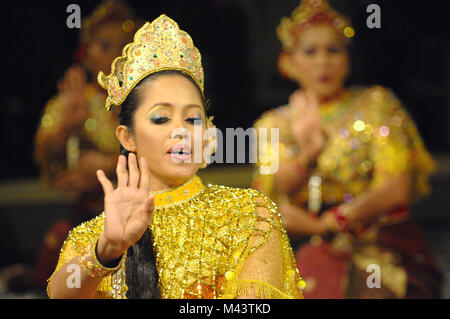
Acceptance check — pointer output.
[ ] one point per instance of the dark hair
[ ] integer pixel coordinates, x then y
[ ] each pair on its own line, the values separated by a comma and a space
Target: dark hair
141, 274
141, 271
134, 98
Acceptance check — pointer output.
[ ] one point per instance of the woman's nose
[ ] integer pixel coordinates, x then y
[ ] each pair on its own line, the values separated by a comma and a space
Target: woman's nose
180, 133
322, 58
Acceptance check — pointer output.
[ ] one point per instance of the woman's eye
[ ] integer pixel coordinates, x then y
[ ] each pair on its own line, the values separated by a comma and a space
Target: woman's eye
334, 50
105, 45
309, 51
194, 120
159, 119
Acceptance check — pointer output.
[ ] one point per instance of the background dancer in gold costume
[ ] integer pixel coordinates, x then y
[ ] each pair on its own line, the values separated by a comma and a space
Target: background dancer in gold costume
76, 134
351, 162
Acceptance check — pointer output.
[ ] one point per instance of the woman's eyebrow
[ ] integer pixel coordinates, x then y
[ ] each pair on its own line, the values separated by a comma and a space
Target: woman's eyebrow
171, 105
192, 105
161, 104
167, 104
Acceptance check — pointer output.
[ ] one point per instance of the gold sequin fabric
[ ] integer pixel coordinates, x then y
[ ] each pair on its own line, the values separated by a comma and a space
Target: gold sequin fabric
210, 242
371, 137
96, 133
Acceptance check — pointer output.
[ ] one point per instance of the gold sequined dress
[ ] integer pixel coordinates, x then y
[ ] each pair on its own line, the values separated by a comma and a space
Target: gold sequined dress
371, 137
210, 242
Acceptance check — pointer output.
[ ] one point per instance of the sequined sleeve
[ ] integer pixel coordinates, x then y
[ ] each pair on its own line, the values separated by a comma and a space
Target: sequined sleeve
274, 146
267, 266
77, 240
397, 146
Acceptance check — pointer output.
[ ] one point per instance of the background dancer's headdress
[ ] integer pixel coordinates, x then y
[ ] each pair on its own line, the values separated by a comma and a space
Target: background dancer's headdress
106, 12
308, 13
157, 46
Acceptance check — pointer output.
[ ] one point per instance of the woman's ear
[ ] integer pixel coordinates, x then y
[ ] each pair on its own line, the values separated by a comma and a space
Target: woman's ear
285, 66
126, 138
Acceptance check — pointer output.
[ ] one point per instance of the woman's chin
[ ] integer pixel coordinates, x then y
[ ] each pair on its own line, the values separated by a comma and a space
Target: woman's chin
181, 172
327, 92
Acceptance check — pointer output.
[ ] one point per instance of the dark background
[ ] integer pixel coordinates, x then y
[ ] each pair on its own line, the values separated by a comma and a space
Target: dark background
410, 54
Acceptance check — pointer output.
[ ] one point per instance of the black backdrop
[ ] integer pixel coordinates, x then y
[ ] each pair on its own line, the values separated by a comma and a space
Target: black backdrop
409, 54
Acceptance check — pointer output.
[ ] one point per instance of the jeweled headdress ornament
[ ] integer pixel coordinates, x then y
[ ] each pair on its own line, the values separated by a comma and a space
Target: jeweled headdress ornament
157, 46
311, 12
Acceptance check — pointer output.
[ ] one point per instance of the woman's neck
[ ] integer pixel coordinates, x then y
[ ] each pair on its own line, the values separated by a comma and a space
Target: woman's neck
159, 184
326, 99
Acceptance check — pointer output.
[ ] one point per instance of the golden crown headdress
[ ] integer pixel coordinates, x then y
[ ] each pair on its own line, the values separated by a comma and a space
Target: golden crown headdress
307, 13
157, 46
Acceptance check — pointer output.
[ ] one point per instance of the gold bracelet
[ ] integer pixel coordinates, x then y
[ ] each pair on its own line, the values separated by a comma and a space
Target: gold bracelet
90, 263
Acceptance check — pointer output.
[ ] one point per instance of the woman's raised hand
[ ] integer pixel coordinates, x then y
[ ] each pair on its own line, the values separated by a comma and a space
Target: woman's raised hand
71, 88
128, 208
305, 124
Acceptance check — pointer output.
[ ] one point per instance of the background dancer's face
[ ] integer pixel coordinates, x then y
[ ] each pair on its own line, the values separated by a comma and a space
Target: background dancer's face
170, 109
320, 61
106, 44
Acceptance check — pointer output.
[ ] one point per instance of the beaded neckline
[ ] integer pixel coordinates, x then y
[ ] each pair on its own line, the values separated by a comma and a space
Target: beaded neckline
178, 194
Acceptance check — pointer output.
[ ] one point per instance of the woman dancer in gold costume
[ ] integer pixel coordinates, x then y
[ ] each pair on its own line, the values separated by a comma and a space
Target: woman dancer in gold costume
350, 163
185, 239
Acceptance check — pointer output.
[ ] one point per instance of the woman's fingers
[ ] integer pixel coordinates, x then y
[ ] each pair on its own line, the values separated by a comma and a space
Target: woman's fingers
121, 171
149, 206
150, 203
145, 178
133, 178
145, 214
104, 181
312, 103
71, 81
78, 78
299, 102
